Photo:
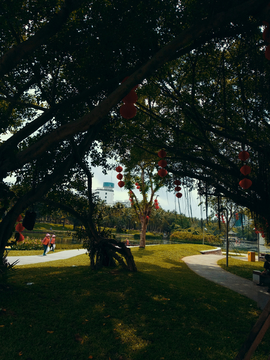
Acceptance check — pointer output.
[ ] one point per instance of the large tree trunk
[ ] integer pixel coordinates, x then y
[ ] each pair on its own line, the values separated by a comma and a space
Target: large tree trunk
106, 252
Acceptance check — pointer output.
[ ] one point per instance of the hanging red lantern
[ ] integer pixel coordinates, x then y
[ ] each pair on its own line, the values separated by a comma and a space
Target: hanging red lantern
147, 217
19, 218
162, 172
243, 155
177, 188
267, 52
21, 238
245, 170
178, 195
245, 183
266, 32
177, 182
119, 176
119, 169
157, 207
162, 153
128, 111
130, 98
121, 184
19, 227
162, 163
138, 187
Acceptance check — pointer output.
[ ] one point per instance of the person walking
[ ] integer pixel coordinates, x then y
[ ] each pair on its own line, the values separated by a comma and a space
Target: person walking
45, 243
52, 243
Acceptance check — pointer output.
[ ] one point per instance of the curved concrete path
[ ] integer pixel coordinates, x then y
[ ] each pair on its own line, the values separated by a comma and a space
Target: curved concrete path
51, 256
207, 267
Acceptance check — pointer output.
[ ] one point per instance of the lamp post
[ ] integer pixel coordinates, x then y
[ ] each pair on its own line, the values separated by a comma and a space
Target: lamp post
203, 234
227, 232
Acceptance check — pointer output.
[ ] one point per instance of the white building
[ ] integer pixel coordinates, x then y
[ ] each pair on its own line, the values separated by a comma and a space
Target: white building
106, 193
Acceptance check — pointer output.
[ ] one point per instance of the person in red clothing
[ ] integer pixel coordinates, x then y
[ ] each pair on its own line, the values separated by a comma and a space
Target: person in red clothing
45, 243
52, 243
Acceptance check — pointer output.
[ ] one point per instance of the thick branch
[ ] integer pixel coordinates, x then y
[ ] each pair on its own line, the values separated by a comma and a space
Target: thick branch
203, 30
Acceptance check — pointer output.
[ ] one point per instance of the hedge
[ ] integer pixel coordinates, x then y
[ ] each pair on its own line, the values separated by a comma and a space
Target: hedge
148, 236
188, 236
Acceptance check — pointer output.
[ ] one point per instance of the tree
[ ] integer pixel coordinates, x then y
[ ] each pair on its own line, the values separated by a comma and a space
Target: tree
75, 198
60, 72
148, 182
206, 108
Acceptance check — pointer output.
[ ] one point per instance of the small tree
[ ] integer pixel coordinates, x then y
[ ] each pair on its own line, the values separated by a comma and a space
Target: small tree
144, 177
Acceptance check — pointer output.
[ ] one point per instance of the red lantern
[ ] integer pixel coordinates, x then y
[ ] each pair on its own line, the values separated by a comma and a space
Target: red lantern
156, 200
19, 218
136, 183
266, 33
121, 184
162, 172
19, 227
147, 217
243, 155
138, 187
157, 207
162, 153
119, 169
245, 183
128, 111
178, 195
21, 238
162, 163
119, 176
245, 170
267, 52
130, 98
177, 182
177, 188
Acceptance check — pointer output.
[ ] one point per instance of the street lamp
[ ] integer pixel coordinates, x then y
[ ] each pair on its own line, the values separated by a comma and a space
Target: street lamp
203, 234
227, 239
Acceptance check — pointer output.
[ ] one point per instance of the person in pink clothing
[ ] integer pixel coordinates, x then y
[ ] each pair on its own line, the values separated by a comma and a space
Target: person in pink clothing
45, 243
52, 243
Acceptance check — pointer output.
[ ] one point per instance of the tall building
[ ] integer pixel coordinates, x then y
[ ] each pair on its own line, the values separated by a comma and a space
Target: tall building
106, 193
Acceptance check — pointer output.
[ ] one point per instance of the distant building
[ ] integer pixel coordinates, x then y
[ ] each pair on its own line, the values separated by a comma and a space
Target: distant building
106, 193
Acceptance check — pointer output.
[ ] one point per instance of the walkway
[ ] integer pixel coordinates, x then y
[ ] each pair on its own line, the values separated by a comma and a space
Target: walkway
206, 266
51, 256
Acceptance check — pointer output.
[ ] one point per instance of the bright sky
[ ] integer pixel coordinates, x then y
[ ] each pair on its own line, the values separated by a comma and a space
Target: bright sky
189, 202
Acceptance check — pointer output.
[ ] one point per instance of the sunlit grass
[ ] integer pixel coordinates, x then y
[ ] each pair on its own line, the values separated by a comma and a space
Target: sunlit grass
164, 311
240, 267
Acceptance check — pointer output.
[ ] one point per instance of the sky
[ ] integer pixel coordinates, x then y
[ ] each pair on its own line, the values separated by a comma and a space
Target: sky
188, 203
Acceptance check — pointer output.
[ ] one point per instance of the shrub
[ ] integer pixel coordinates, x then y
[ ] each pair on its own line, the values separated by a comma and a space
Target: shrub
194, 238
148, 236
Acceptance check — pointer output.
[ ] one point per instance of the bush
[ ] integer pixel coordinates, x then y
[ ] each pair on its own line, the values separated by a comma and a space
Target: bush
148, 236
194, 238
28, 244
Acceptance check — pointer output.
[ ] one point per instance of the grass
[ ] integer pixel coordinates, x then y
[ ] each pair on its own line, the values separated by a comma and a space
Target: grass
240, 267
164, 311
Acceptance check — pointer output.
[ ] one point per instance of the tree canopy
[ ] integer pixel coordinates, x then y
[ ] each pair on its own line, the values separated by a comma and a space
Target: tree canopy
61, 66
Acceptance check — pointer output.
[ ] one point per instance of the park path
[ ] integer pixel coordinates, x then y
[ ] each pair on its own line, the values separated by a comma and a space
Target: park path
206, 266
51, 256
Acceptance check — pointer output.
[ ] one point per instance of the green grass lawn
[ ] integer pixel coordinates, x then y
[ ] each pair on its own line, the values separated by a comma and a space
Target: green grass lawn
164, 311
